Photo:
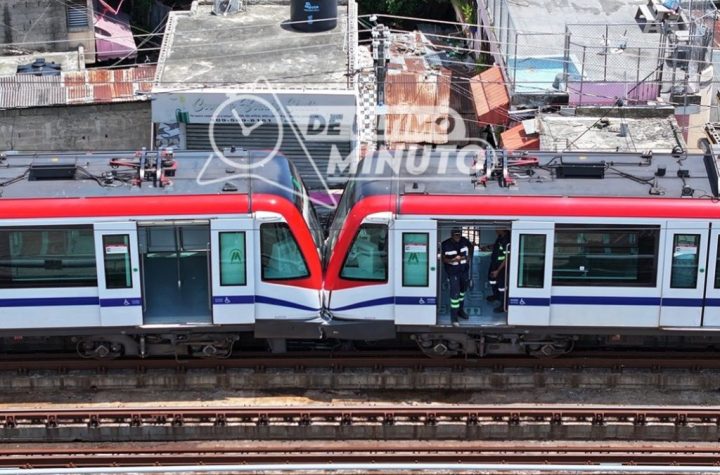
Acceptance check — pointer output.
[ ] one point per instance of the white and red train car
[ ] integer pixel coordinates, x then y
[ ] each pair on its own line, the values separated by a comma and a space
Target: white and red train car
156, 252
605, 248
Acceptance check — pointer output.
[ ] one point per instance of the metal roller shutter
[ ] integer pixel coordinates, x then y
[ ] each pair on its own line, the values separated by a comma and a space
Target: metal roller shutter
227, 135
77, 14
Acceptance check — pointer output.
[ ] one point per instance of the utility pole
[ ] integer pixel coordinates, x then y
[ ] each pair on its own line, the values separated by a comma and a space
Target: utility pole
381, 56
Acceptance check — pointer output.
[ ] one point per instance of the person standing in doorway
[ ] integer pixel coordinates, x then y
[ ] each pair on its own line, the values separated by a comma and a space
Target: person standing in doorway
457, 258
498, 268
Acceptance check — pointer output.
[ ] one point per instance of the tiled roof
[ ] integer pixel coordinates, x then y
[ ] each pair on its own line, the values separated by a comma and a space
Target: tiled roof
515, 138
93, 86
491, 96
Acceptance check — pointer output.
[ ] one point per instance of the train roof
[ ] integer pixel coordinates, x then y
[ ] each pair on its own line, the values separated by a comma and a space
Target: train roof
164, 172
500, 173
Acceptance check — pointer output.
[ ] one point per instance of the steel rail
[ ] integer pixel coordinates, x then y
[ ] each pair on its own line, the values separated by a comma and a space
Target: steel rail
586, 454
429, 415
301, 362
354, 468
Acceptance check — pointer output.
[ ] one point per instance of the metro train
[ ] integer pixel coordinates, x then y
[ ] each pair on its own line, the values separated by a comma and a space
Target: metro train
606, 249
185, 253
156, 252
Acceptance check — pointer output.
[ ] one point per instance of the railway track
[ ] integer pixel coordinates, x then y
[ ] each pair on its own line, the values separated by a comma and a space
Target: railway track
616, 361
347, 416
187, 454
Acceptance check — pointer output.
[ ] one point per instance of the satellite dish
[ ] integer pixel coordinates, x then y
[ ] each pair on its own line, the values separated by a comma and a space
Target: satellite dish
227, 7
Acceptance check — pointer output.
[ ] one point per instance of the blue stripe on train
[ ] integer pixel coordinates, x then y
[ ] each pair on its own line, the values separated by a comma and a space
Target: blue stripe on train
544, 302
283, 303
576, 300
124, 302
389, 301
49, 301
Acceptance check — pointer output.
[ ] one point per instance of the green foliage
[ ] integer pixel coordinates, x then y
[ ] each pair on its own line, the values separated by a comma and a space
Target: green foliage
430, 9
468, 12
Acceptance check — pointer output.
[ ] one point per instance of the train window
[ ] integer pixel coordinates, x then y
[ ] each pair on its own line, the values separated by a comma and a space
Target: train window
116, 254
415, 260
232, 259
52, 256
685, 261
605, 255
531, 262
368, 256
281, 256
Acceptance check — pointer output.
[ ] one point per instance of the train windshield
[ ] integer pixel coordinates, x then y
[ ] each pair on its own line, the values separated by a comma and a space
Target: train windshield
341, 213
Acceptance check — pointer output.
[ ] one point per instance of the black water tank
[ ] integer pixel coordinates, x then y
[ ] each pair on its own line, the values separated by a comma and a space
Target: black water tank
313, 15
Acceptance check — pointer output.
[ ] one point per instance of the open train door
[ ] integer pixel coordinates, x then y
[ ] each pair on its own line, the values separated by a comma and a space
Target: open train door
415, 271
233, 280
119, 287
530, 277
683, 280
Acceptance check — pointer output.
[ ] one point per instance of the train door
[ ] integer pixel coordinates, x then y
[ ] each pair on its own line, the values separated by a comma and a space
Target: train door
415, 242
119, 290
711, 314
175, 266
683, 280
530, 276
233, 280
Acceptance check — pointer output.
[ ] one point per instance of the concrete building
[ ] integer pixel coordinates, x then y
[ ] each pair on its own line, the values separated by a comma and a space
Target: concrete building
251, 80
626, 130
595, 53
97, 109
37, 26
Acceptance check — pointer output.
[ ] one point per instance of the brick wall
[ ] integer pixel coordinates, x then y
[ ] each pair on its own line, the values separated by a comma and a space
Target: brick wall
123, 126
39, 21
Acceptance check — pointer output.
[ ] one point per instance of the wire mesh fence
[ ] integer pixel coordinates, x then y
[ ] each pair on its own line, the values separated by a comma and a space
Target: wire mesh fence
601, 63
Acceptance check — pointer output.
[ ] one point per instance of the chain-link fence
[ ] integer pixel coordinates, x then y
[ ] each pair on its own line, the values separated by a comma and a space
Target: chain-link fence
601, 63
612, 62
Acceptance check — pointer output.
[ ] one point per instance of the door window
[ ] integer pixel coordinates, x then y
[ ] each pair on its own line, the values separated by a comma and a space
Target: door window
531, 262
116, 255
415, 260
232, 259
685, 261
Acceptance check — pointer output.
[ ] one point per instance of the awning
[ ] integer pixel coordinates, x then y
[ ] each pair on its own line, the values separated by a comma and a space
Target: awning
113, 36
491, 97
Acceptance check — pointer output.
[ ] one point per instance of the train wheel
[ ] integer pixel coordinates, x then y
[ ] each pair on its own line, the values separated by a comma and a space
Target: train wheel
99, 350
438, 349
551, 349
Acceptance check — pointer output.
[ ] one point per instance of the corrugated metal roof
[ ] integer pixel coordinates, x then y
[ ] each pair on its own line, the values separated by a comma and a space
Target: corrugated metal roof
92, 86
515, 138
25, 90
418, 105
491, 96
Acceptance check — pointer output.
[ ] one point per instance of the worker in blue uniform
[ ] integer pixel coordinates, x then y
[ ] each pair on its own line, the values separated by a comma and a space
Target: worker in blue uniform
457, 254
498, 268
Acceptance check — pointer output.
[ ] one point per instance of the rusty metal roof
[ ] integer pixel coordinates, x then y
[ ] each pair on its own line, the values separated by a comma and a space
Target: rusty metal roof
92, 86
418, 106
417, 94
